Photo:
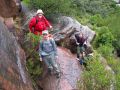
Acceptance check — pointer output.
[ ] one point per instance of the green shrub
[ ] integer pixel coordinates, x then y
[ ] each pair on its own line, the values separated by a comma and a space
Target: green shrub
52, 6
97, 20
73, 7
34, 67
96, 78
117, 81
33, 63
34, 39
102, 7
104, 37
114, 26
106, 51
114, 63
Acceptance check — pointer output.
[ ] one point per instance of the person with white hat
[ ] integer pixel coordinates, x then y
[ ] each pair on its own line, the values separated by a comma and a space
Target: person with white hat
48, 53
39, 23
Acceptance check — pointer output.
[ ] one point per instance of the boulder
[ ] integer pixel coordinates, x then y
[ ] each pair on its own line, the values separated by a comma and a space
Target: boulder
9, 8
70, 73
67, 28
13, 73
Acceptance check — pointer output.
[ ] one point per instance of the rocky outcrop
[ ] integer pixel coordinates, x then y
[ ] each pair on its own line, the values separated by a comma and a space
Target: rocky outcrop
70, 73
13, 74
70, 67
9, 8
63, 34
65, 30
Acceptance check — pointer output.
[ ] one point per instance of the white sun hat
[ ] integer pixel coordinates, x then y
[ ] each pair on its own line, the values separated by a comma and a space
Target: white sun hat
39, 11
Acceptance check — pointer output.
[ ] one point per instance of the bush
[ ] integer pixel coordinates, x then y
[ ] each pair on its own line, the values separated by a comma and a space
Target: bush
34, 67
52, 6
104, 37
33, 63
97, 20
117, 81
34, 39
106, 51
114, 26
97, 78
102, 7
114, 63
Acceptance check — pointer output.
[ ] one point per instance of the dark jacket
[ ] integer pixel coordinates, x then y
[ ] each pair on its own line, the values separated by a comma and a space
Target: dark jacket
80, 40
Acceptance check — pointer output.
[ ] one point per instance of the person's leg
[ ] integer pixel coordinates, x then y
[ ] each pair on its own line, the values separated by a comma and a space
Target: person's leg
55, 65
47, 62
78, 52
82, 51
82, 54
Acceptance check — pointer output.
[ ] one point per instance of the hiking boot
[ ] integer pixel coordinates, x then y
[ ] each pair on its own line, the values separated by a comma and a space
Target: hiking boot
81, 62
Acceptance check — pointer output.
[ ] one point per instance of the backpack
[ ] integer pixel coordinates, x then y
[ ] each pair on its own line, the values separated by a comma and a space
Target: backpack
36, 21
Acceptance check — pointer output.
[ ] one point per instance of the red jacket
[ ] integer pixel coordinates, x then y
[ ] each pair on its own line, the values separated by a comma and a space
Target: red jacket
39, 26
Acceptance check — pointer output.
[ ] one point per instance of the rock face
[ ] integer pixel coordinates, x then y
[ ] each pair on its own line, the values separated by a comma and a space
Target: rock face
65, 30
9, 8
70, 68
70, 73
13, 74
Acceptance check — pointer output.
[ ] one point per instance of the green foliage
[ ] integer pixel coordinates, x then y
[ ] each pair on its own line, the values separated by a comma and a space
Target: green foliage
73, 7
52, 6
102, 7
33, 38
106, 51
96, 78
83, 20
34, 67
25, 2
114, 63
114, 26
97, 20
102, 16
33, 63
104, 37
118, 81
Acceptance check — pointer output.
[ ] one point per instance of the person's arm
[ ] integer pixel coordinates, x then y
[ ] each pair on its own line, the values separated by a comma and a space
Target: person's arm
40, 51
32, 24
85, 41
54, 47
47, 23
76, 41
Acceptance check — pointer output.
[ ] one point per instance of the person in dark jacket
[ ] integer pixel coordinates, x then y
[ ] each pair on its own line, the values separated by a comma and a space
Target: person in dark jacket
39, 23
81, 43
48, 53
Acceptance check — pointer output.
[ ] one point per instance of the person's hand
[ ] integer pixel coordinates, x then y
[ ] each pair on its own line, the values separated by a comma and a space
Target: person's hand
77, 43
40, 59
50, 27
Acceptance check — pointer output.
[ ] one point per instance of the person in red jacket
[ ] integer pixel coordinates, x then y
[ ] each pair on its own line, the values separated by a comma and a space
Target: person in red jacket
39, 23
